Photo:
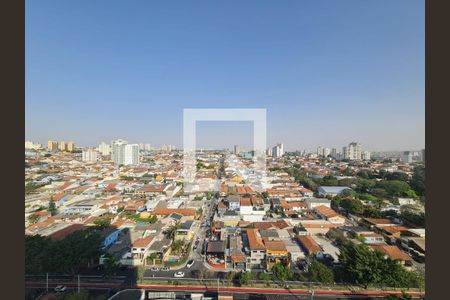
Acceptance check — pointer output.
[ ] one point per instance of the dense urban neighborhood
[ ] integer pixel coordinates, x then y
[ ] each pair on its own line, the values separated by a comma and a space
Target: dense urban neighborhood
326, 217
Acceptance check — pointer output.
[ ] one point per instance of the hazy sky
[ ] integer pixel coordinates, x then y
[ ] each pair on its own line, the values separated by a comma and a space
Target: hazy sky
328, 72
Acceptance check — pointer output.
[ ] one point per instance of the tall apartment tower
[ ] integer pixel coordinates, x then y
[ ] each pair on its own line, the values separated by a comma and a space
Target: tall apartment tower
118, 151
70, 146
131, 154
104, 149
278, 150
353, 151
89, 155
52, 145
319, 151
237, 150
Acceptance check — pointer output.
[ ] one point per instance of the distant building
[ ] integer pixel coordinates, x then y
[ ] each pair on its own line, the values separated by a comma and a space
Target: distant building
131, 154
89, 155
62, 146
31, 145
352, 151
407, 157
52, 145
237, 150
70, 146
118, 151
104, 149
365, 155
278, 150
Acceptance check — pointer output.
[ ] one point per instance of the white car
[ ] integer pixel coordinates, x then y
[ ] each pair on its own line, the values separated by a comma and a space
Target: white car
190, 263
60, 288
154, 269
178, 274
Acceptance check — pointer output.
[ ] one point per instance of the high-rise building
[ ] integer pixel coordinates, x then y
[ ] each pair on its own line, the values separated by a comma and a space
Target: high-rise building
104, 149
62, 146
237, 150
365, 155
70, 146
352, 151
326, 152
118, 151
319, 151
131, 154
89, 155
31, 145
278, 150
52, 145
423, 155
407, 157
334, 153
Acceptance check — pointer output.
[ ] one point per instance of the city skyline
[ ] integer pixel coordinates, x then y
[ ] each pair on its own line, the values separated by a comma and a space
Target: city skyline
327, 74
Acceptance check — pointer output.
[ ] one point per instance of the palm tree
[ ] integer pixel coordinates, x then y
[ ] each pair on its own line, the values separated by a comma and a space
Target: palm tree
177, 246
173, 230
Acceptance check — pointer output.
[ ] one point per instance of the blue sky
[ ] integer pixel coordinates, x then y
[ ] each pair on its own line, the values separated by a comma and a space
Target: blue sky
328, 72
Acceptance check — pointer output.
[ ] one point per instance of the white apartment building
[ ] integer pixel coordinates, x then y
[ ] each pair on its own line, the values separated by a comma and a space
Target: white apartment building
31, 145
104, 149
365, 155
352, 151
118, 151
278, 150
131, 154
89, 155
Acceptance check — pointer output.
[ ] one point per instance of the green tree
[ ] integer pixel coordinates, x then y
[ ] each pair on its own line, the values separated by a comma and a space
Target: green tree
177, 246
318, 272
111, 264
394, 188
353, 206
102, 222
365, 267
418, 180
265, 277
397, 176
33, 218
245, 278
173, 230
281, 273
52, 208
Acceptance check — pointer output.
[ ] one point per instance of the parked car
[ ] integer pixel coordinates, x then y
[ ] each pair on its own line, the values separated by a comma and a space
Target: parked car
165, 269
154, 269
60, 288
190, 263
179, 274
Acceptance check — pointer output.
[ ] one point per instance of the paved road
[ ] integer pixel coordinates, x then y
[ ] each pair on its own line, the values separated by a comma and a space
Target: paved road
299, 294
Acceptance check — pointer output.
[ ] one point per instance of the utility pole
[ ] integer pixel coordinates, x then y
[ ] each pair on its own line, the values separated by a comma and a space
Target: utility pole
47, 281
78, 283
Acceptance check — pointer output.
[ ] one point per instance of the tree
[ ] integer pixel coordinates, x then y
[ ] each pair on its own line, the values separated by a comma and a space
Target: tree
177, 246
52, 208
353, 206
33, 218
281, 273
102, 222
318, 272
418, 180
173, 230
245, 278
111, 264
365, 267
264, 276
394, 188
397, 176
